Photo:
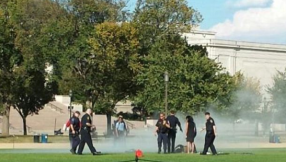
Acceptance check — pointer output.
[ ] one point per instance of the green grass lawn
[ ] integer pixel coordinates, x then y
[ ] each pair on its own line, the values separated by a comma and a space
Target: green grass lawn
259, 155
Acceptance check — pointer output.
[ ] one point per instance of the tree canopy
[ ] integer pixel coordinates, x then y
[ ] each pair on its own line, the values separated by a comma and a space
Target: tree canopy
195, 80
278, 93
106, 54
245, 97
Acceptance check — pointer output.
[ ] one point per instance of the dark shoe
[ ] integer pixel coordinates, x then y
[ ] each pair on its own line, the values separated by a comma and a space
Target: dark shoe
215, 154
79, 153
72, 151
96, 153
165, 152
159, 151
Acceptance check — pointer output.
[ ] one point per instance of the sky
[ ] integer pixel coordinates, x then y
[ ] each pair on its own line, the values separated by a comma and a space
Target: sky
244, 20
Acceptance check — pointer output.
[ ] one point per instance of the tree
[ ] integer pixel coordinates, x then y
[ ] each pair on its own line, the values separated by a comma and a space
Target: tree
23, 69
10, 58
31, 92
195, 80
84, 15
114, 66
160, 24
79, 69
278, 93
165, 16
156, 18
245, 98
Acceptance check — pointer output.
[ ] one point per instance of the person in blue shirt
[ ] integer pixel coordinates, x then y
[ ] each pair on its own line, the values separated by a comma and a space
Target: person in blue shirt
74, 131
162, 128
120, 128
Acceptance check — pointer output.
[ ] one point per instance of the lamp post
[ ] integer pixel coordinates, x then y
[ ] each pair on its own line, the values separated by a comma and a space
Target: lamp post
265, 112
166, 78
70, 107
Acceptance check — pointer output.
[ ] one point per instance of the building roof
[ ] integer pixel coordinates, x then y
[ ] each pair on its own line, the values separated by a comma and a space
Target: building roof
207, 38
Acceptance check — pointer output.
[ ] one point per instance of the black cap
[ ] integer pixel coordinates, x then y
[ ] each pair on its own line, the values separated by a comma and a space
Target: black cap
207, 113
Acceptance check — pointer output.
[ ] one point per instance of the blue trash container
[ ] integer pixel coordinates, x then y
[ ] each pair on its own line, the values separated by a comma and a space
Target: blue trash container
277, 139
44, 138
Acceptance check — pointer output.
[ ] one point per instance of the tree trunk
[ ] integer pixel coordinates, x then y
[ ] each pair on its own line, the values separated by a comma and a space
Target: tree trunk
108, 116
24, 126
256, 128
5, 122
233, 125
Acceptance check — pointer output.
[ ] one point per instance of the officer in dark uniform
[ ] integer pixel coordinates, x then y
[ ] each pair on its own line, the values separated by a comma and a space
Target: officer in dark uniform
86, 127
74, 131
162, 132
210, 134
174, 122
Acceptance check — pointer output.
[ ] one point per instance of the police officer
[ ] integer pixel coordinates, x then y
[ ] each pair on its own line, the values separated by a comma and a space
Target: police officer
86, 127
210, 134
174, 122
162, 132
74, 131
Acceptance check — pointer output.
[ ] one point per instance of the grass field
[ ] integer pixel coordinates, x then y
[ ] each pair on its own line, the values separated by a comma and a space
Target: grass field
257, 155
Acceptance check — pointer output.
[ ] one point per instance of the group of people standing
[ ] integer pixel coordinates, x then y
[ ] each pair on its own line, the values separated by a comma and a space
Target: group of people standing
166, 129
83, 128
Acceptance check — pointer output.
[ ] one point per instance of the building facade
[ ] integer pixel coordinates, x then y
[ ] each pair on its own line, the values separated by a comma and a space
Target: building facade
257, 60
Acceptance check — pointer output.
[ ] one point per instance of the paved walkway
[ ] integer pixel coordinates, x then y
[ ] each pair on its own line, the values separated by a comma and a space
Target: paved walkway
34, 145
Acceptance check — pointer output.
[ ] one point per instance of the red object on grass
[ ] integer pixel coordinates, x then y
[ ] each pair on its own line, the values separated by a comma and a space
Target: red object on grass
139, 153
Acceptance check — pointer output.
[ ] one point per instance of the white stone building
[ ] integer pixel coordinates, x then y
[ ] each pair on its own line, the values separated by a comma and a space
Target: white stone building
253, 59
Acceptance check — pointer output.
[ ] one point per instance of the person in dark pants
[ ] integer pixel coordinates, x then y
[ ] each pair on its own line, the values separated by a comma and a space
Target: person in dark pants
86, 127
162, 132
74, 131
121, 130
68, 123
174, 122
210, 134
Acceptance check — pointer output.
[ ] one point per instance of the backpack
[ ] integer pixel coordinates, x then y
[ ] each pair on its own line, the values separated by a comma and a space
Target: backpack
68, 123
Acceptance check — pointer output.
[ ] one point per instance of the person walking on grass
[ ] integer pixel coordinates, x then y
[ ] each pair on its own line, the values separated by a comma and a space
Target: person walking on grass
74, 131
210, 135
174, 122
86, 127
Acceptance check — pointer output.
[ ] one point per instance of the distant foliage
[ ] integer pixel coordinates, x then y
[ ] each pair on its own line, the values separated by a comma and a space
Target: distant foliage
245, 97
278, 95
